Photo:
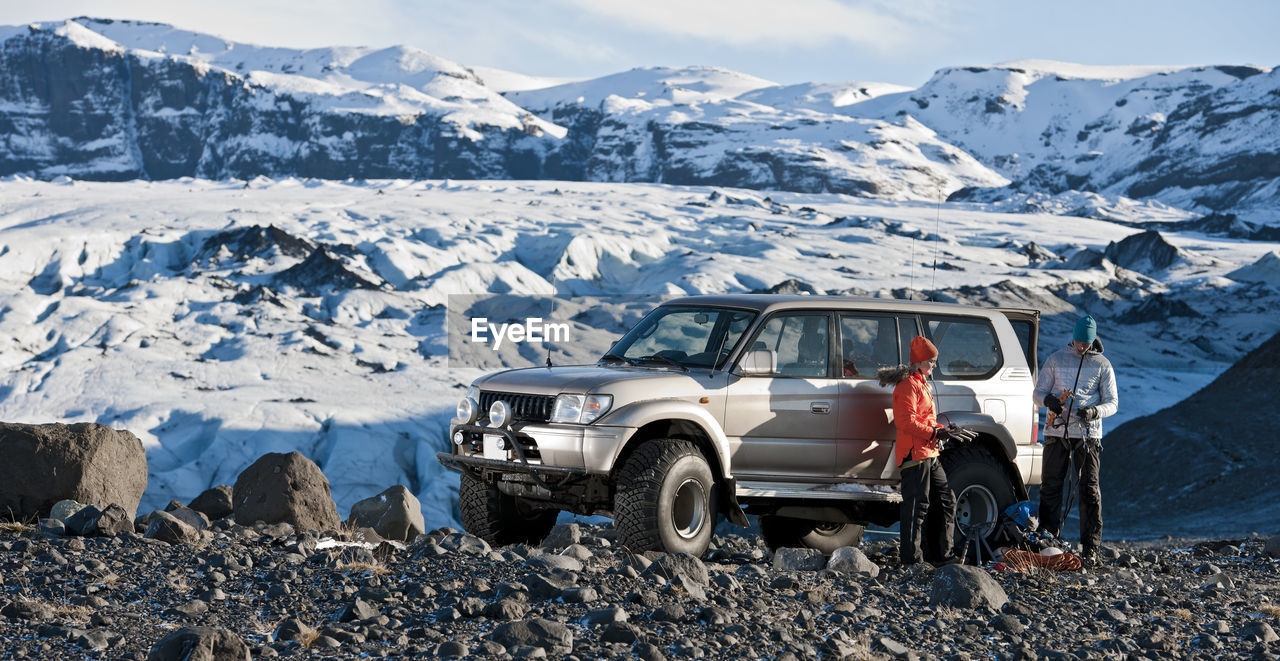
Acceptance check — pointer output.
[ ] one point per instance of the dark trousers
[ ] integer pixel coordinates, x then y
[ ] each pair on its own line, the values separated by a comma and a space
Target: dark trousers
928, 513
1087, 456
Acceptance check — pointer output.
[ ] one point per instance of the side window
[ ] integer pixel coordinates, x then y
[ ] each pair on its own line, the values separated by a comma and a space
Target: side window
967, 347
867, 343
801, 342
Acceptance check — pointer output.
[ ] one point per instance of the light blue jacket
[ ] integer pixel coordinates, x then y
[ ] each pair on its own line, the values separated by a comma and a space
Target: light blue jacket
1097, 387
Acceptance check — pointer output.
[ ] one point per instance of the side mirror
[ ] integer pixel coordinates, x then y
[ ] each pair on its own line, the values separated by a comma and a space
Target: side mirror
760, 362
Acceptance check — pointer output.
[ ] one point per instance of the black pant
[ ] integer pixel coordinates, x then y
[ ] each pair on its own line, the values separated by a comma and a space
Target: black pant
922, 485
1087, 456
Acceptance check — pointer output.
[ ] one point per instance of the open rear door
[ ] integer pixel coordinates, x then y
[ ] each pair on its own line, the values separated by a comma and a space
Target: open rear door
1026, 323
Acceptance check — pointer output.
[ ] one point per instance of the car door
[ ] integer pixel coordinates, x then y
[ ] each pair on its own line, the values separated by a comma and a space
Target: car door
865, 431
783, 425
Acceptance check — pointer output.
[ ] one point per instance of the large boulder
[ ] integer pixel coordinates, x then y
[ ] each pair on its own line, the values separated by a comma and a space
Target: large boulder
169, 528
90, 521
214, 503
203, 643
850, 560
86, 462
963, 586
285, 487
393, 514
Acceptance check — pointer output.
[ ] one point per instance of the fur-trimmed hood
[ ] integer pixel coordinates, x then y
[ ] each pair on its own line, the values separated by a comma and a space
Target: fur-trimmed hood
893, 375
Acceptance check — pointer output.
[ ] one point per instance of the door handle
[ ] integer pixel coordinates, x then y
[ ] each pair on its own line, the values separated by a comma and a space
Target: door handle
820, 407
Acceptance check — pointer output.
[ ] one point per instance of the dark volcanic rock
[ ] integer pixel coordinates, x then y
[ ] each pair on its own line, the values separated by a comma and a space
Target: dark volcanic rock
963, 586
667, 565
86, 462
188, 516
285, 487
537, 632
214, 503
202, 643
243, 243
169, 528
1158, 308
319, 273
1143, 252
805, 559
1218, 425
92, 521
393, 514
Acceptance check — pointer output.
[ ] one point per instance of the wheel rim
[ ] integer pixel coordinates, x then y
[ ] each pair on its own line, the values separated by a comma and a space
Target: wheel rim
689, 509
976, 509
828, 529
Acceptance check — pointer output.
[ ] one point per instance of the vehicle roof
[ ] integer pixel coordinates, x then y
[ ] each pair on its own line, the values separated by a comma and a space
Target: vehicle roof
771, 302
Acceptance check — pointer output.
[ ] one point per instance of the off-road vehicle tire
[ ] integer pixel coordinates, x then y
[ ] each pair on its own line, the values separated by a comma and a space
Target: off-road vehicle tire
785, 532
981, 486
665, 500
498, 518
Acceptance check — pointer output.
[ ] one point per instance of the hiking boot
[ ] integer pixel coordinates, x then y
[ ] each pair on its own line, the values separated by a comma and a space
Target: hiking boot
1089, 558
952, 560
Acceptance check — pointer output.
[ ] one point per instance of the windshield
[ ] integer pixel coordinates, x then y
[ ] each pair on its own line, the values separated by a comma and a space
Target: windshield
685, 336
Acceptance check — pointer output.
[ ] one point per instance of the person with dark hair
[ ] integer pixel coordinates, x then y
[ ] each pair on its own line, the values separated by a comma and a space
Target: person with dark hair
916, 449
1078, 387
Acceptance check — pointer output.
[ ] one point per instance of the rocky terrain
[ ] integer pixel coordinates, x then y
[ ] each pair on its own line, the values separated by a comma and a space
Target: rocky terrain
283, 593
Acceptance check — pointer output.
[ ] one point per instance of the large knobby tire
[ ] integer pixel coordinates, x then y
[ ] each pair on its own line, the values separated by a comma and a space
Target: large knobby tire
982, 489
785, 532
665, 499
498, 518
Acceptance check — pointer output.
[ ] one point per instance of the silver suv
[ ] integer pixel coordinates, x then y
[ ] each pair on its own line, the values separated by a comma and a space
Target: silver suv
747, 404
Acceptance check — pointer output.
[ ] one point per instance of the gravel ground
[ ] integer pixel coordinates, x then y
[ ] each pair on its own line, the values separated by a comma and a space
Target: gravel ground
449, 594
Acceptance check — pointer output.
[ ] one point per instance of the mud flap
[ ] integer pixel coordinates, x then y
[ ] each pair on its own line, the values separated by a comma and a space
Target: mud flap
732, 509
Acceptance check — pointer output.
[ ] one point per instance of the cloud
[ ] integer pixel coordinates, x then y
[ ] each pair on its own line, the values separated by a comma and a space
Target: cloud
767, 22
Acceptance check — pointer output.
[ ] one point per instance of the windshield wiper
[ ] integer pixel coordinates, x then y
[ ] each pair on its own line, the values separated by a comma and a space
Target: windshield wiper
613, 357
664, 360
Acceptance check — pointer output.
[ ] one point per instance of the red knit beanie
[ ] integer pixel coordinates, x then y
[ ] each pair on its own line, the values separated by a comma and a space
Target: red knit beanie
922, 349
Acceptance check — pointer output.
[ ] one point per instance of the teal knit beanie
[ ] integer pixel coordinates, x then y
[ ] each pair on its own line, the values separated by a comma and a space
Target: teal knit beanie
1086, 330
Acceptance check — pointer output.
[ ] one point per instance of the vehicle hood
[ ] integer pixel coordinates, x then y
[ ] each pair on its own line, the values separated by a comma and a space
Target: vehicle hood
587, 379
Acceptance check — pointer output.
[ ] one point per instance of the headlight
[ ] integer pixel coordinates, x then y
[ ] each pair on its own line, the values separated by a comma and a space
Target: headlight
580, 409
499, 414
468, 408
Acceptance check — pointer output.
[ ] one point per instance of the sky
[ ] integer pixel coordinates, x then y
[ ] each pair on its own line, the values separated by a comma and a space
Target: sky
792, 41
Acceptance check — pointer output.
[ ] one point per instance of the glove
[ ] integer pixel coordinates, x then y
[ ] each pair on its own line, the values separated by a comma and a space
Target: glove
1089, 413
1053, 404
941, 434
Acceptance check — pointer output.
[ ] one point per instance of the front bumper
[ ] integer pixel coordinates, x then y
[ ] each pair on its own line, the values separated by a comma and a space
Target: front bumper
592, 448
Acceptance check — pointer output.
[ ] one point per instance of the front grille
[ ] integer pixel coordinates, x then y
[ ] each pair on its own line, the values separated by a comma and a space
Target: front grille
524, 408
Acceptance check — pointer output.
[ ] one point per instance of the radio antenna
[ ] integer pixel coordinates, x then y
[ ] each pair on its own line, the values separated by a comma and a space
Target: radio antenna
937, 227
913, 269
547, 339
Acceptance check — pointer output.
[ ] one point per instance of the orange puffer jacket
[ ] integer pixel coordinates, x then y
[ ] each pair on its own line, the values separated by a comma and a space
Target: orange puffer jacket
914, 418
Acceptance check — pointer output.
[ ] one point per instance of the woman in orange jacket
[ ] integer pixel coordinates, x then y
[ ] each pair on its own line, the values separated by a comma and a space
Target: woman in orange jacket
924, 483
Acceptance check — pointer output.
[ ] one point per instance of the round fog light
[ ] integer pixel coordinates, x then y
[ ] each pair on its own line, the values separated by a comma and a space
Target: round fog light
502, 443
499, 414
457, 438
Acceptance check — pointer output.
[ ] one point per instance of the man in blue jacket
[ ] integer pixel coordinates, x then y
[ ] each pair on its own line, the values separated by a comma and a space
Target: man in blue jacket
1089, 384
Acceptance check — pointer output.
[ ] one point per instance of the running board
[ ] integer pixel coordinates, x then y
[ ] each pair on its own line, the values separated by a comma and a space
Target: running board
810, 491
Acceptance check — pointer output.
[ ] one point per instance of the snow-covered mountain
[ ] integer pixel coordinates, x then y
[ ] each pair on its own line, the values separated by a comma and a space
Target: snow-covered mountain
102, 99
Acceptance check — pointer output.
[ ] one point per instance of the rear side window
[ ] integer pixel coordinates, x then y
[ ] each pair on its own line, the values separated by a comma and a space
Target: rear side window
967, 347
867, 343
